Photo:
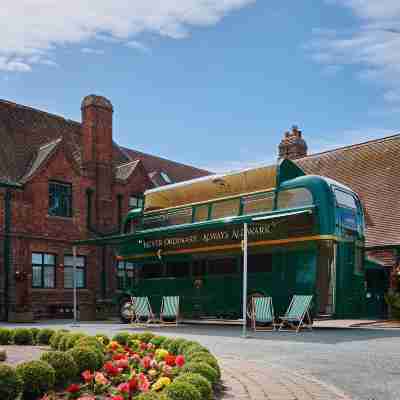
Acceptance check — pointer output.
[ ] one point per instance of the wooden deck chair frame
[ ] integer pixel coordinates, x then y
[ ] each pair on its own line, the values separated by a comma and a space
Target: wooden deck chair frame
150, 315
300, 318
270, 306
167, 323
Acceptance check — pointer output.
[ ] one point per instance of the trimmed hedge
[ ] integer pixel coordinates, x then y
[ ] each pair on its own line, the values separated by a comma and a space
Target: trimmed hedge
203, 369
22, 336
86, 358
90, 341
199, 382
44, 336
175, 344
158, 340
38, 377
64, 366
5, 336
55, 339
35, 332
11, 383
146, 336
73, 338
122, 338
182, 391
207, 358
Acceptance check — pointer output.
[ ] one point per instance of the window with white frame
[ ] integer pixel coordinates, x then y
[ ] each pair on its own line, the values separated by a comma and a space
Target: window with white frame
43, 270
166, 177
69, 272
136, 201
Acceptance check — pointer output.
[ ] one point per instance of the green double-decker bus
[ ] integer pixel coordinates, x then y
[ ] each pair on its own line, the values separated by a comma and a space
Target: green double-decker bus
305, 236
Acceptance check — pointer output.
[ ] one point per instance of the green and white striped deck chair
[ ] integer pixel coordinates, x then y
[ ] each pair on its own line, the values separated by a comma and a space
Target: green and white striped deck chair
297, 313
262, 313
143, 310
169, 310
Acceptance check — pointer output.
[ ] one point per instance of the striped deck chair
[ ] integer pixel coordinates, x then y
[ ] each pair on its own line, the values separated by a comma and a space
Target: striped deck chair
169, 310
297, 313
263, 313
143, 310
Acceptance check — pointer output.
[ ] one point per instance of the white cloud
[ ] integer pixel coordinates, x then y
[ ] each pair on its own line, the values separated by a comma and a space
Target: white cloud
134, 44
373, 44
89, 50
36, 27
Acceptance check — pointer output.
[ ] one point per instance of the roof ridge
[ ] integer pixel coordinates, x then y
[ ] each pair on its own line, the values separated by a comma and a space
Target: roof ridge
127, 163
55, 141
378, 140
164, 159
22, 106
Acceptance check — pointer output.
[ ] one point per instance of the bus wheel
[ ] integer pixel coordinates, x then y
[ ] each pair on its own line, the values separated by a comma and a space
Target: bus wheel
250, 304
126, 310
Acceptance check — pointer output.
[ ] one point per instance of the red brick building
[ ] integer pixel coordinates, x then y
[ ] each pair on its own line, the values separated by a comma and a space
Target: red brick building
72, 182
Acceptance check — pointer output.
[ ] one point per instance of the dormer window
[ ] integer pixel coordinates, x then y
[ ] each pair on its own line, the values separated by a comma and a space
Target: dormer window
165, 176
60, 199
136, 201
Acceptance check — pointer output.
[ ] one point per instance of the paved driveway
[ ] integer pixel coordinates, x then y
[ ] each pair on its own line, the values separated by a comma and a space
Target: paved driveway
364, 363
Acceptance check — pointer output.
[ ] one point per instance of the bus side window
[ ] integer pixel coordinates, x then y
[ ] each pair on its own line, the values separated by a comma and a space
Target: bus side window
258, 203
201, 213
227, 208
153, 270
292, 198
177, 269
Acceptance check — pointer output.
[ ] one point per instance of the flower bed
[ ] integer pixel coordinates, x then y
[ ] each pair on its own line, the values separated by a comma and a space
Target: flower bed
128, 367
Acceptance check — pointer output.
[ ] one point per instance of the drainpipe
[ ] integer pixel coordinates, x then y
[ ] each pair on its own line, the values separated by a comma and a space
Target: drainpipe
7, 241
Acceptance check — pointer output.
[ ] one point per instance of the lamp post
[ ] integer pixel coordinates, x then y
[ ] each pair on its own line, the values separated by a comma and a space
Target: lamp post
244, 327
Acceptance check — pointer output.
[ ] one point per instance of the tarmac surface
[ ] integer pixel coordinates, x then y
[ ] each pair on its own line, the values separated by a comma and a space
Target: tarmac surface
358, 363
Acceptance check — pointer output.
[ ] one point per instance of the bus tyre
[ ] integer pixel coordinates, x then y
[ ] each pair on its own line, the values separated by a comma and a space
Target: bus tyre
125, 310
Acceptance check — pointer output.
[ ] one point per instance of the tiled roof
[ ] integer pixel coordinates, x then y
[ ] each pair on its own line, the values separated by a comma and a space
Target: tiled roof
371, 169
25, 133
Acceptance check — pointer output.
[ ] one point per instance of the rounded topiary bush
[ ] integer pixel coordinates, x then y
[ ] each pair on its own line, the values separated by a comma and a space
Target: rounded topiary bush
63, 341
10, 383
104, 339
86, 358
73, 338
5, 336
44, 336
22, 336
38, 377
207, 358
56, 338
166, 343
64, 366
146, 336
122, 338
90, 341
199, 382
203, 369
151, 396
158, 340
175, 344
35, 332
186, 344
182, 391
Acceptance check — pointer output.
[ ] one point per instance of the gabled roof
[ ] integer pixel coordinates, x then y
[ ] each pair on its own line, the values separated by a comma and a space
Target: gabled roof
371, 169
28, 136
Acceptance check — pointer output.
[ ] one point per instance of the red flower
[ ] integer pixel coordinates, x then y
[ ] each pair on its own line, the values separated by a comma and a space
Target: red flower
118, 397
74, 388
146, 361
117, 357
143, 346
123, 363
132, 384
111, 369
180, 361
87, 376
170, 360
124, 387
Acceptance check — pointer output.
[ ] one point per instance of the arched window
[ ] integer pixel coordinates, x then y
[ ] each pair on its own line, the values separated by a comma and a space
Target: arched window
292, 198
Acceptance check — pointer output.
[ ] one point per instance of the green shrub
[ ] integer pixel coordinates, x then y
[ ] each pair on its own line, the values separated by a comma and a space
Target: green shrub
166, 343
44, 336
22, 336
185, 344
158, 340
182, 391
73, 338
175, 344
64, 366
122, 338
35, 332
199, 382
150, 396
55, 339
86, 358
207, 358
202, 368
63, 341
38, 377
11, 383
193, 348
90, 341
146, 337
5, 336
104, 338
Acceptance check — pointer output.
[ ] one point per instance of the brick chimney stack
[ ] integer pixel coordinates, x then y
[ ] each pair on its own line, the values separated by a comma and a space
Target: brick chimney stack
97, 143
293, 146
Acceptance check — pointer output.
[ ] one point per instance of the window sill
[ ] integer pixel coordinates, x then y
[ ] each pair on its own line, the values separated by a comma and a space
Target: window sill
59, 217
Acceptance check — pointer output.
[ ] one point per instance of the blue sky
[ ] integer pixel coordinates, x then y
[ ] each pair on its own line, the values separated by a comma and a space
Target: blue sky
212, 83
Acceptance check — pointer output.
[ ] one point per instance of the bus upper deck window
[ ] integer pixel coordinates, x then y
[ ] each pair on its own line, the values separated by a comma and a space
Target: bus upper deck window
291, 198
258, 203
179, 217
201, 213
345, 199
227, 208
